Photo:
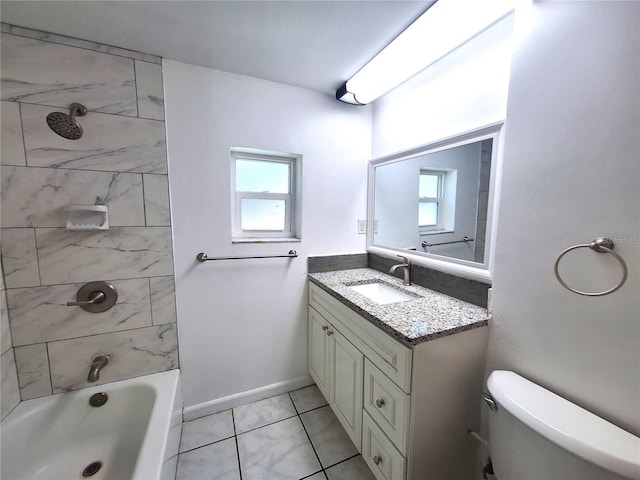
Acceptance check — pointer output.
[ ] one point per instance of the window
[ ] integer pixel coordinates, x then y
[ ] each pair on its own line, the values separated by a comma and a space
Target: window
266, 188
431, 201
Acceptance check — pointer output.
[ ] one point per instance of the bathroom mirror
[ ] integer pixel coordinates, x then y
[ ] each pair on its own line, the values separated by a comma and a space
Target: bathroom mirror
434, 203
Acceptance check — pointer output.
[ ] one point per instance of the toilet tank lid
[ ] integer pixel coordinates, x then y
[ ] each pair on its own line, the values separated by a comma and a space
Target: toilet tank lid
566, 424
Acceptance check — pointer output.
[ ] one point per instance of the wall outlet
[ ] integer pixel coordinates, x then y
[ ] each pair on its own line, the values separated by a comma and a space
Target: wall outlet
362, 226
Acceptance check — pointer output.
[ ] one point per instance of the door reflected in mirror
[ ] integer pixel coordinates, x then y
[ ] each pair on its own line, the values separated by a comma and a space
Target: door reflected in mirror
434, 200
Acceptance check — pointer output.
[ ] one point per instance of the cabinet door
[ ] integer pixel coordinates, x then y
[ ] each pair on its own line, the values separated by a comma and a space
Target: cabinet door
347, 374
320, 347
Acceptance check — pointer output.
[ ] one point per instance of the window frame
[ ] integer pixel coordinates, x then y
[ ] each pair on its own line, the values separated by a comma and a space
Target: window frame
291, 200
439, 201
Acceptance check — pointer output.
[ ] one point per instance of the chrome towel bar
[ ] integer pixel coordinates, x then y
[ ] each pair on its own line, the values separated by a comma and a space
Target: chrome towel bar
599, 245
465, 239
202, 257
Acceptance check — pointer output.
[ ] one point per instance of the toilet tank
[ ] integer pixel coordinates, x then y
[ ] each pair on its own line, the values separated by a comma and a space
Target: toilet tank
536, 434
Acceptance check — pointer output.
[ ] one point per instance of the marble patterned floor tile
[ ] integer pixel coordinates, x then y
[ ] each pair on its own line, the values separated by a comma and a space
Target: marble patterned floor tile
218, 461
111, 143
32, 362
156, 200
76, 42
205, 430
307, 398
331, 442
101, 82
39, 197
278, 451
9, 389
5, 331
163, 300
263, 412
19, 258
120, 252
134, 353
353, 469
169, 469
149, 89
175, 434
12, 152
317, 476
40, 314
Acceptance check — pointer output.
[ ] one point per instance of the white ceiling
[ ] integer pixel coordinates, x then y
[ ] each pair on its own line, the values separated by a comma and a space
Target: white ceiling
310, 44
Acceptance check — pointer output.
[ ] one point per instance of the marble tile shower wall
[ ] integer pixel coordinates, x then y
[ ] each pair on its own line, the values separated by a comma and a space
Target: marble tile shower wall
120, 161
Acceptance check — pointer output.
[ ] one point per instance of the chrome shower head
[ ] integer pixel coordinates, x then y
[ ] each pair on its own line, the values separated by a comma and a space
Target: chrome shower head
66, 125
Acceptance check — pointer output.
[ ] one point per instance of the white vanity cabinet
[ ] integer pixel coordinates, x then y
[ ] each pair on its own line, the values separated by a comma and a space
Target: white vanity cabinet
407, 409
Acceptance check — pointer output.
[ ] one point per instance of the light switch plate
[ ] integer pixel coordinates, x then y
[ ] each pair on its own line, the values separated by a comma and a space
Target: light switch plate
362, 226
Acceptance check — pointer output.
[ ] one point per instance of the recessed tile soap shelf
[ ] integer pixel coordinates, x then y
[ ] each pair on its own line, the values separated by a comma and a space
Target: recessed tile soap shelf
88, 217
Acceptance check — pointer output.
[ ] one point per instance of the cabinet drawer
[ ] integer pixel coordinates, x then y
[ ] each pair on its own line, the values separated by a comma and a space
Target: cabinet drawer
384, 460
389, 355
387, 404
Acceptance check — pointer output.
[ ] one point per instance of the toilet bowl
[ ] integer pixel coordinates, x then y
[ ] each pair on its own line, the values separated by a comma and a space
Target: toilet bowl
538, 435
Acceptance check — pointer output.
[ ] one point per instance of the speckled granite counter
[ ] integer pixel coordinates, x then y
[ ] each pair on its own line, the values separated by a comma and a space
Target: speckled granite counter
431, 315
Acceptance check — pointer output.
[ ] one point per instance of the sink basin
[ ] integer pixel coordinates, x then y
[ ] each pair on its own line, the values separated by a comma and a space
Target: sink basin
381, 293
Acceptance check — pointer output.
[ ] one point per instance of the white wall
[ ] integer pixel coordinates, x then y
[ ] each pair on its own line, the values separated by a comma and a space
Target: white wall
463, 91
243, 323
396, 204
570, 174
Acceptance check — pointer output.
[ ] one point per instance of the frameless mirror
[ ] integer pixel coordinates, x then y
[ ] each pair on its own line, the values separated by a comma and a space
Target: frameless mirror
434, 203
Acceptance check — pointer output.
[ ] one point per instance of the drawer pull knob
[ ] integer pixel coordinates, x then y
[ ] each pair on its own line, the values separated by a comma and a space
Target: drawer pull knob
377, 459
330, 332
325, 328
379, 402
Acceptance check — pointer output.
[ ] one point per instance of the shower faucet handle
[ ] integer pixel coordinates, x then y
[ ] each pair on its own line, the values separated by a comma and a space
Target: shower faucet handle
96, 297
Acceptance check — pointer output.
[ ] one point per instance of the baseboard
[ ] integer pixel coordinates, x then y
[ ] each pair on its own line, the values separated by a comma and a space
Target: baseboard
225, 403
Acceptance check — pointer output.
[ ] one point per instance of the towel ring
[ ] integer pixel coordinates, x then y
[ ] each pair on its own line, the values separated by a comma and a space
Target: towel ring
599, 245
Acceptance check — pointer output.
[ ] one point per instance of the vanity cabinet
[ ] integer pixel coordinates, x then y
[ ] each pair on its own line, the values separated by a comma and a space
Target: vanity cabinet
407, 408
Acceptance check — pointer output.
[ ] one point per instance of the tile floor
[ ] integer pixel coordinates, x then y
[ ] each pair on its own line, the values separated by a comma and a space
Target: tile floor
287, 437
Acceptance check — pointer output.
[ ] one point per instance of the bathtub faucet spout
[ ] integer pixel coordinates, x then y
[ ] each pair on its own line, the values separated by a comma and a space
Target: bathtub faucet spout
99, 362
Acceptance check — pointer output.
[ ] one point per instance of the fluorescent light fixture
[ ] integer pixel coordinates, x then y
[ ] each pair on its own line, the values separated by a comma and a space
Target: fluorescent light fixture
441, 29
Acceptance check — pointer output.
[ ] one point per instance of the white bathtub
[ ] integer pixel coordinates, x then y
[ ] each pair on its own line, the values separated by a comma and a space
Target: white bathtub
135, 435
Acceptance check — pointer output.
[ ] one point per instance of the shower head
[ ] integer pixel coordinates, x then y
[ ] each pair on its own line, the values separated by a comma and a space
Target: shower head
66, 125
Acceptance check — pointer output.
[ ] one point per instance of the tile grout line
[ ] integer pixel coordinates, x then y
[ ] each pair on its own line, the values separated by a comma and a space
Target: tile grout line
342, 461
308, 437
235, 438
298, 414
207, 444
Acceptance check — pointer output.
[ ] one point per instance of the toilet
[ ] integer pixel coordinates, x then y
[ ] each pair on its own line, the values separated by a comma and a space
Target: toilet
538, 435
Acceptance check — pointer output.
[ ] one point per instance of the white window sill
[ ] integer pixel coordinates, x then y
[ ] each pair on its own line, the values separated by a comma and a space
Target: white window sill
436, 232
266, 240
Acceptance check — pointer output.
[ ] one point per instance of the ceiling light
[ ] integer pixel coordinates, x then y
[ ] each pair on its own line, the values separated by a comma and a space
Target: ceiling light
441, 29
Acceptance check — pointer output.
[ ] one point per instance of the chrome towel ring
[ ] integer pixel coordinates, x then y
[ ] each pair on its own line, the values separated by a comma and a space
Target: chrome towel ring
599, 245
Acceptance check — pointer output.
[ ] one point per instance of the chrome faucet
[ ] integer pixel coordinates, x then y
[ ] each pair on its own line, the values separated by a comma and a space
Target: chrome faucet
99, 362
406, 270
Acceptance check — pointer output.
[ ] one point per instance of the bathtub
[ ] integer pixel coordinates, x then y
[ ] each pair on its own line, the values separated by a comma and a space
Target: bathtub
134, 435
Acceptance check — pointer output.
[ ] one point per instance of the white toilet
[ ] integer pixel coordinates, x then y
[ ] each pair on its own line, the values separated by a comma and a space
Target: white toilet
538, 435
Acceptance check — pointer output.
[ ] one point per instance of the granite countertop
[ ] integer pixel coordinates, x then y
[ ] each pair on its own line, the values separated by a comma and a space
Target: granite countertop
431, 315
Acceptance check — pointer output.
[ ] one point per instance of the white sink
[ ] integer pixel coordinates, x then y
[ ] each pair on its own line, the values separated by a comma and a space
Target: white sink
381, 293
